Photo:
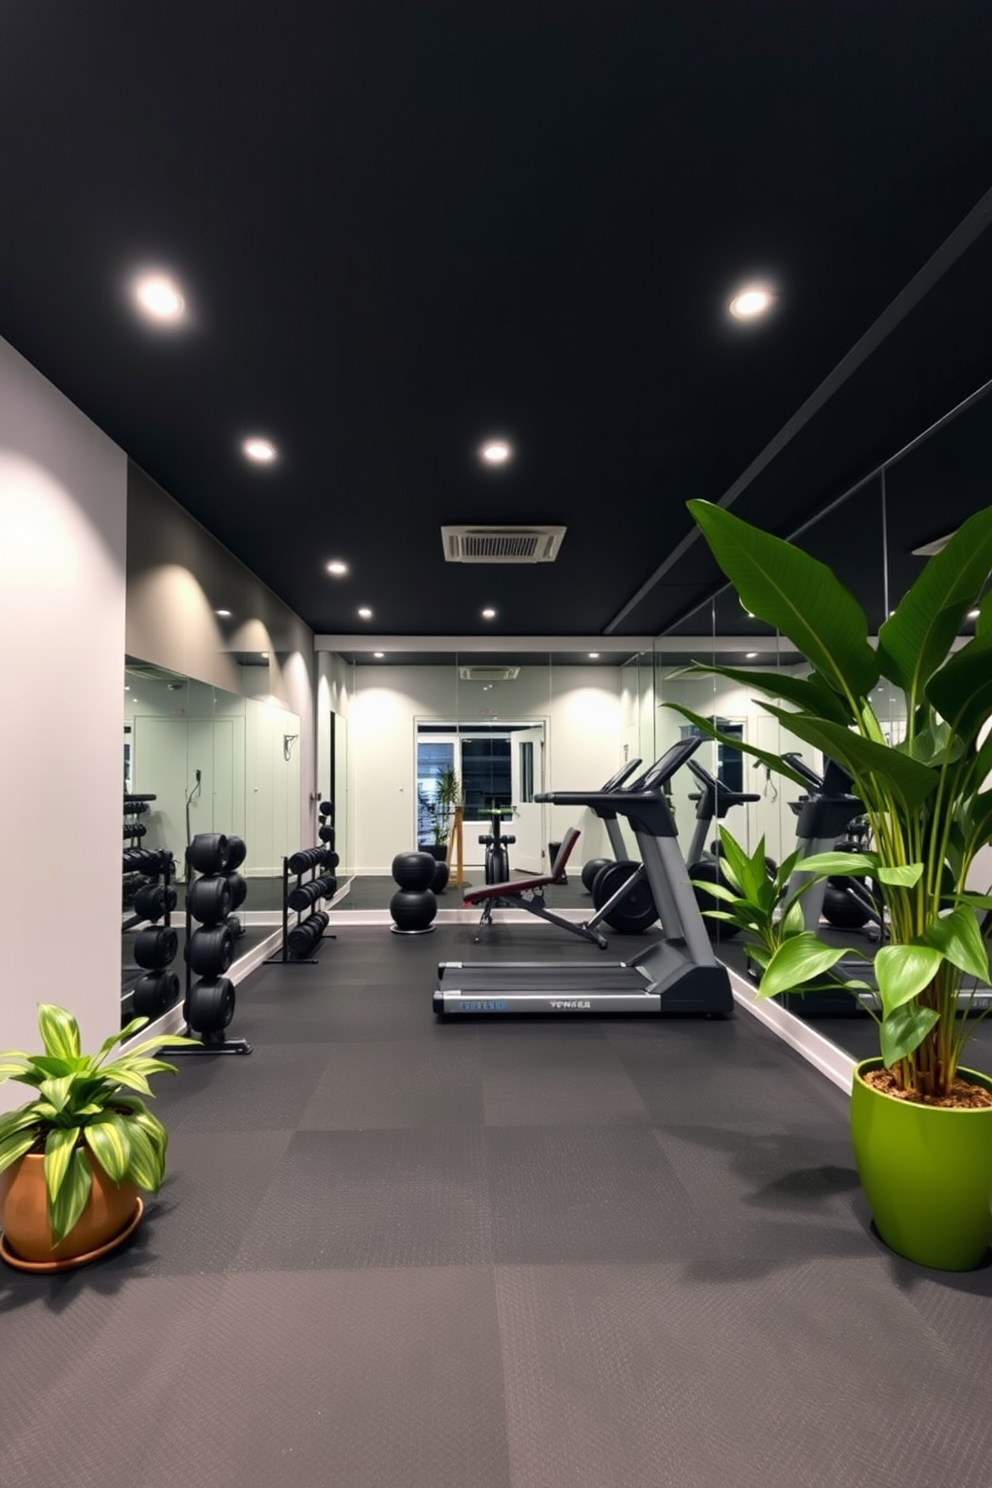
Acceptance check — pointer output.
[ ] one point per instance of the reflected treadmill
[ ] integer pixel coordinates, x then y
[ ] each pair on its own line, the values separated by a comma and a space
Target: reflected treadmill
676, 974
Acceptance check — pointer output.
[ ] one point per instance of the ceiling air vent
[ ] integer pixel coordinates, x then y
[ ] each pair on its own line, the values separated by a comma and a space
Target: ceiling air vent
488, 673
501, 544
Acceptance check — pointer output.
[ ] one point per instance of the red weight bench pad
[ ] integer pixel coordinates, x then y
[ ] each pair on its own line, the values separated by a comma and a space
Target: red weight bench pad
528, 894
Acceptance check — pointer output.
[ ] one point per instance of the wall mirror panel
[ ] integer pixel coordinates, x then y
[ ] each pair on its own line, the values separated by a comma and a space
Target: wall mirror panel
509, 725
205, 760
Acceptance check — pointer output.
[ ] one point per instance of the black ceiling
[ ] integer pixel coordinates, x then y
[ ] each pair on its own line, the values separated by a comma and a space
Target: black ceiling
402, 228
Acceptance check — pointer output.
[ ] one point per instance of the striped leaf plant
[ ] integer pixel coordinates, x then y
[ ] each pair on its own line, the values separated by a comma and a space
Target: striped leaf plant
925, 796
84, 1105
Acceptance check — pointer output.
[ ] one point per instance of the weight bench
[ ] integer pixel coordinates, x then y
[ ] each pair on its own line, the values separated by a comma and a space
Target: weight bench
528, 894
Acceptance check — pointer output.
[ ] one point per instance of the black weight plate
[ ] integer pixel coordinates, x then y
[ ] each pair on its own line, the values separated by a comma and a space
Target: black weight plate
154, 949
155, 992
636, 910
237, 851
209, 899
211, 950
210, 1006
207, 853
239, 889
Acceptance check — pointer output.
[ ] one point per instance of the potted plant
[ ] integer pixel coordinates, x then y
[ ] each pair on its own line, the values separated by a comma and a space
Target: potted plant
439, 809
73, 1158
921, 1123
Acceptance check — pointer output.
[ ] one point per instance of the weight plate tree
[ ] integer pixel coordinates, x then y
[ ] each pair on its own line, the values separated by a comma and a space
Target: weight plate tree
210, 1001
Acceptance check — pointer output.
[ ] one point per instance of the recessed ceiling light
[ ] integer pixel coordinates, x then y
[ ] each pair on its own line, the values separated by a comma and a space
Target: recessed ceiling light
593, 655
262, 451
365, 613
751, 301
378, 655
264, 655
496, 452
489, 614
126, 688
158, 297
224, 614
973, 614
337, 568
750, 655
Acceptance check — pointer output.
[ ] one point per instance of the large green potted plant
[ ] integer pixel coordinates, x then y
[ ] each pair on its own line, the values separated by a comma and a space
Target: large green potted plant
439, 808
73, 1158
922, 1124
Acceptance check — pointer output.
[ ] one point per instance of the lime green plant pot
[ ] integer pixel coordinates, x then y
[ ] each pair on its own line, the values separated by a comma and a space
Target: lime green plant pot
926, 1172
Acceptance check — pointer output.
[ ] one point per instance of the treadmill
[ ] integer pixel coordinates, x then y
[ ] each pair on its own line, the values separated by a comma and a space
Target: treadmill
675, 974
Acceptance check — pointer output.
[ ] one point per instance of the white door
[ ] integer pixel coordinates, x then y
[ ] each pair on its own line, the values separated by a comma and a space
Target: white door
526, 781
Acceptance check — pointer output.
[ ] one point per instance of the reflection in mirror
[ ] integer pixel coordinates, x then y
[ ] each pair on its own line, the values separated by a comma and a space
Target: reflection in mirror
199, 759
509, 726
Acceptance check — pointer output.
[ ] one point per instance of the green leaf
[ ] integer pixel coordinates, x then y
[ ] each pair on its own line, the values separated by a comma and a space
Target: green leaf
120, 1074
715, 890
110, 1143
838, 864
914, 641
798, 960
15, 1146
810, 694
14, 1121
795, 594
904, 1030
793, 921
57, 1092
64, 1211
958, 939
903, 876
59, 1146
746, 870
18, 1072
863, 759
147, 1167
59, 1031
903, 971
962, 690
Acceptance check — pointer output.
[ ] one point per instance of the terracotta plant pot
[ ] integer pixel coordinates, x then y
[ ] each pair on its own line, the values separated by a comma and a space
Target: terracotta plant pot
926, 1172
24, 1213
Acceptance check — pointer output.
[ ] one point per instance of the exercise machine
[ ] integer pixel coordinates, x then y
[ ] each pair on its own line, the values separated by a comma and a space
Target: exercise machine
528, 894
496, 842
677, 973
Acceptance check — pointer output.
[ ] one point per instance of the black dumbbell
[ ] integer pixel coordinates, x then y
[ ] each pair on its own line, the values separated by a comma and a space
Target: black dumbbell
134, 829
306, 894
236, 852
211, 950
326, 808
304, 860
153, 900
155, 948
235, 926
155, 992
303, 937
326, 835
210, 1005
328, 858
238, 888
207, 853
209, 899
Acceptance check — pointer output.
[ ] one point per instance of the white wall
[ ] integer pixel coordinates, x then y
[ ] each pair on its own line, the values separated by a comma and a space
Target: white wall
63, 495
581, 704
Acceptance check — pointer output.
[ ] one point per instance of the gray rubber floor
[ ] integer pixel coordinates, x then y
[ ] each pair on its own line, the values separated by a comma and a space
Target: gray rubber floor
397, 1254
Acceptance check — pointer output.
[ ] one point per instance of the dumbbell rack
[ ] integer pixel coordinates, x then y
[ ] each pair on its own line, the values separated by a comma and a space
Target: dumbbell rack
209, 1044
291, 880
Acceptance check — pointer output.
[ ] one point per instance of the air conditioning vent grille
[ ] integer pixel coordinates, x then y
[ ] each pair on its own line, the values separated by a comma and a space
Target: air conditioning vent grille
488, 673
501, 544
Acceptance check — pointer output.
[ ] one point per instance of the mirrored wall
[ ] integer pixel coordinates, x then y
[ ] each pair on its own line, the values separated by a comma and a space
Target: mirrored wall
197, 759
